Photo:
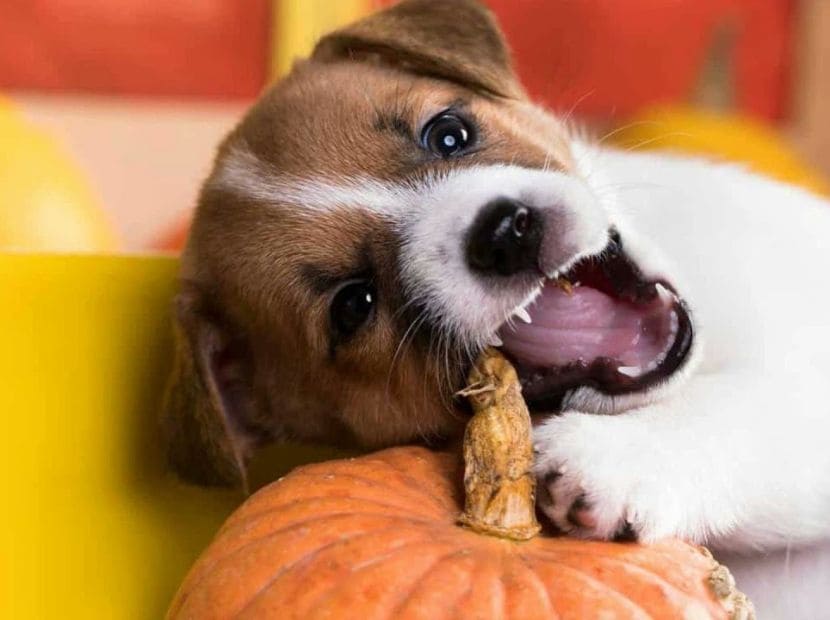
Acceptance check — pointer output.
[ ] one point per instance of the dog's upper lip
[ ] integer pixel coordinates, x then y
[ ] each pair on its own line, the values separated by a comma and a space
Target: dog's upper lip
618, 332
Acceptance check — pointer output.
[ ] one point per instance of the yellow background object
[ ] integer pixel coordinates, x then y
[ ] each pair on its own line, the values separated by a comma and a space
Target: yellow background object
721, 136
46, 203
91, 525
299, 23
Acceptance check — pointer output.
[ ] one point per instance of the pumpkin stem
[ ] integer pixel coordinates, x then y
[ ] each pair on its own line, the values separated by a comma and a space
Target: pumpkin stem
498, 453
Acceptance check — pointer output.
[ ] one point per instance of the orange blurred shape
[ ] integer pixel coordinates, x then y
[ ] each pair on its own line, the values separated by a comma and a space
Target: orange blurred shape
205, 48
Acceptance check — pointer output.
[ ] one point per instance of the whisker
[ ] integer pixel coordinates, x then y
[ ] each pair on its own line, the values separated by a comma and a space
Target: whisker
673, 134
631, 186
626, 127
447, 391
566, 119
410, 331
548, 157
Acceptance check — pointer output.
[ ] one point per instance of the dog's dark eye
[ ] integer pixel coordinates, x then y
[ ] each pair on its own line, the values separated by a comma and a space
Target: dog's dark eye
351, 307
447, 135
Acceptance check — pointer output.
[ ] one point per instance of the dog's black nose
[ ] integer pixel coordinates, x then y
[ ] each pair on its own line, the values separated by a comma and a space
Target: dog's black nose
504, 238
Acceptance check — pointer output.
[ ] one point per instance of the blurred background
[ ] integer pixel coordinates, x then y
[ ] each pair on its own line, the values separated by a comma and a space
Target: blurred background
110, 109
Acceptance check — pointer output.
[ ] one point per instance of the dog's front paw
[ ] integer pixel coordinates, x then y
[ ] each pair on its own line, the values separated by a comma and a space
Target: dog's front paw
603, 477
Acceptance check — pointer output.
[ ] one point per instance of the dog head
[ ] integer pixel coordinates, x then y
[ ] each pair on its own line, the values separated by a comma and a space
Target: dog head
383, 213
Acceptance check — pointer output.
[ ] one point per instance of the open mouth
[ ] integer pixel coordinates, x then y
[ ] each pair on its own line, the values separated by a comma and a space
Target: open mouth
602, 324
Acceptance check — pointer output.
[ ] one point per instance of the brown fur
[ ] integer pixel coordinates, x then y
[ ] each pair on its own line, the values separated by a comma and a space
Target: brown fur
254, 357
457, 41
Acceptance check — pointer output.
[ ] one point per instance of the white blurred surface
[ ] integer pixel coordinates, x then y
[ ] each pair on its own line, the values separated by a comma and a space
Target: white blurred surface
787, 584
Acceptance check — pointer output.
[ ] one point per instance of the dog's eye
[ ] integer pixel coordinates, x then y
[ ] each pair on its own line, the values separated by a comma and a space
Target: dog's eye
447, 135
352, 306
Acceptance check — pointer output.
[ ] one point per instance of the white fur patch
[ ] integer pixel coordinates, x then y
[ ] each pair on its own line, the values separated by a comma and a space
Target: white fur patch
244, 173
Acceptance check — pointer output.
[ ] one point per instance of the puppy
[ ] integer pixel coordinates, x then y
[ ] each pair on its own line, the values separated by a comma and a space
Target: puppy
397, 203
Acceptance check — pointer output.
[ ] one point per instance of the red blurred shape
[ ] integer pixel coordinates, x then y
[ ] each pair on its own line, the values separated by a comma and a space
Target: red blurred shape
203, 48
610, 58
174, 238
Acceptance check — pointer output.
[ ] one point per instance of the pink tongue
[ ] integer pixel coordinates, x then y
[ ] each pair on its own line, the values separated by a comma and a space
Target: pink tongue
588, 325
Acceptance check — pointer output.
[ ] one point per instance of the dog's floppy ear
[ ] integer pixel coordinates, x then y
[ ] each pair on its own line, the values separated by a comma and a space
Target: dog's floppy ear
456, 40
208, 398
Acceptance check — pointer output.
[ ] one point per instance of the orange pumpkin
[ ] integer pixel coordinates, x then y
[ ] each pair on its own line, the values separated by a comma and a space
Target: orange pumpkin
377, 537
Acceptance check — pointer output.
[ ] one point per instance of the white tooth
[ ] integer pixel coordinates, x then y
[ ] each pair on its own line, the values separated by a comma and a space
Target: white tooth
630, 371
495, 341
523, 315
665, 294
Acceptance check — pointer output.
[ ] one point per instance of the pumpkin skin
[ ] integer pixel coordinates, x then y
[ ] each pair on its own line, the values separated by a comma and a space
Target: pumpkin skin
377, 537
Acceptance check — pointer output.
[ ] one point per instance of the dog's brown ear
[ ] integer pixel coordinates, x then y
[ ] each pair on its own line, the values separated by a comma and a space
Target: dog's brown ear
208, 397
456, 40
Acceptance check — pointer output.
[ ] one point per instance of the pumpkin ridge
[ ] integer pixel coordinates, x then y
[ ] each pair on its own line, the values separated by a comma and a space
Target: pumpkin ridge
447, 501
395, 612
286, 569
461, 597
523, 562
442, 494
420, 594
661, 548
502, 574
249, 520
290, 493
561, 557
633, 570
299, 603
498, 574
322, 480
413, 494
208, 567
636, 570
617, 595
338, 587
626, 561
581, 546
